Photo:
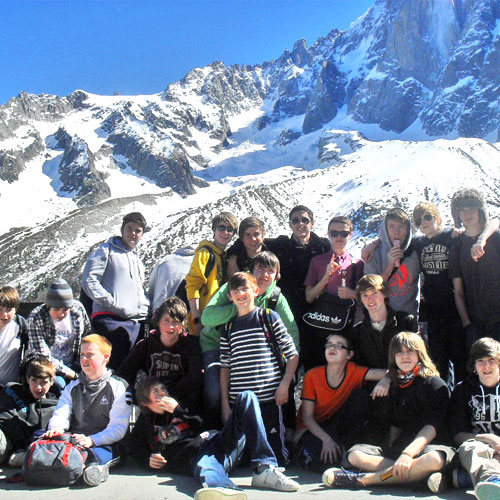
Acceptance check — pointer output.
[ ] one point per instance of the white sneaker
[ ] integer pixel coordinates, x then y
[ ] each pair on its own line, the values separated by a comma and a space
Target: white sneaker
94, 475
273, 478
219, 494
489, 489
17, 458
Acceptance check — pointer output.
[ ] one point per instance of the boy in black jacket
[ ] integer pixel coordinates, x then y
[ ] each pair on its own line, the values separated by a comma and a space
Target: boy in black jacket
169, 439
24, 409
475, 418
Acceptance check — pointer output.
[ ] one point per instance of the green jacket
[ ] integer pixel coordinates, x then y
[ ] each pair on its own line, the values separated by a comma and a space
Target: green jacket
220, 310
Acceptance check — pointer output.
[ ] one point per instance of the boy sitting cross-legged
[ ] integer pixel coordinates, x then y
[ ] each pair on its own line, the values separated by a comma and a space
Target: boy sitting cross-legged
168, 439
95, 408
25, 409
475, 419
250, 361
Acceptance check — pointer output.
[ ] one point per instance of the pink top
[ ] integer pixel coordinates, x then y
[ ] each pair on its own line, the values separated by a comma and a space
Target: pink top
351, 270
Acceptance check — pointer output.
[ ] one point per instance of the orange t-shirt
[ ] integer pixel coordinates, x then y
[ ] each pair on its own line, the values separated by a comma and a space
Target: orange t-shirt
329, 399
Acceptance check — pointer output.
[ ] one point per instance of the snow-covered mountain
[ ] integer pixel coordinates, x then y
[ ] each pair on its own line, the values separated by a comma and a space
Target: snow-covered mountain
402, 106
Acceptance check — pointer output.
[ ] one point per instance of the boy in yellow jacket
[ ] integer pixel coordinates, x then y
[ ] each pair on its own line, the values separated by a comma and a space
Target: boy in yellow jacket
200, 284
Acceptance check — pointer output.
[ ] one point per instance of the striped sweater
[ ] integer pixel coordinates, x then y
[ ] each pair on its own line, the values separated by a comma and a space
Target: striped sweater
246, 352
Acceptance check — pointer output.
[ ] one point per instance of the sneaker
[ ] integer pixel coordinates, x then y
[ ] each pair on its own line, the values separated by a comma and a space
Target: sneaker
304, 459
489, 489
219, 494
437, 482
341, 478
17, 458
95, 474
273, 478
461, 478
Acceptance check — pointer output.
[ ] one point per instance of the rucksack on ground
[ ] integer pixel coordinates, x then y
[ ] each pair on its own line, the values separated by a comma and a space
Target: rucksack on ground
55, 461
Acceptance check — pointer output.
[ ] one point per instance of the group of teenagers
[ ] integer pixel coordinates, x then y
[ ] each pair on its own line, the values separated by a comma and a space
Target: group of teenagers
212, 353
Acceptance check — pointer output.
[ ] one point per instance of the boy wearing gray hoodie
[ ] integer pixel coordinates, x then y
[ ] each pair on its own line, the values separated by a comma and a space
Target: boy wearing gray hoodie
396, 262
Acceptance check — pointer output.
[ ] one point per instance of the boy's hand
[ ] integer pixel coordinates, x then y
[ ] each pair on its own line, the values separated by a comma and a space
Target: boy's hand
156, 461
368, 251
83, 440
382, 388
55, 431
402, 467
490, 439
345, 292
168, 404
330, 452
477, 250
395, 254
281, 396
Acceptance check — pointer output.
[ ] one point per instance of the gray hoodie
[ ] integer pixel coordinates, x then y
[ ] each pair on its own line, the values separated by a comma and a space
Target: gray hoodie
168, 274
402, 286
113, 278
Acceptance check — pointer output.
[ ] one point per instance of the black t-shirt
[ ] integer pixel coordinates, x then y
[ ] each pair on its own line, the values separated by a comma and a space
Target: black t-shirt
294, 263
433, 254
481, 279
424, 402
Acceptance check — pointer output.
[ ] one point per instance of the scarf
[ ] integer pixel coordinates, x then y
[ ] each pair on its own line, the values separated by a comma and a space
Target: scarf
405, 379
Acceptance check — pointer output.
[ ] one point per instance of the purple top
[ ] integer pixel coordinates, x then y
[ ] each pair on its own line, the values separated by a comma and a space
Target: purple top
351, 270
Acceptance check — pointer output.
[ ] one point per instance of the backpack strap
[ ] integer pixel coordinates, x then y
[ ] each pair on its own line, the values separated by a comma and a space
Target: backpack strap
266, 323
211, 261
273, 299
22, 334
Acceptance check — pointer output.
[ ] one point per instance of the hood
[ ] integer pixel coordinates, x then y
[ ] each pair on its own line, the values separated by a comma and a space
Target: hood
117, 242
95, 385
187, 251
384, 237
211, 244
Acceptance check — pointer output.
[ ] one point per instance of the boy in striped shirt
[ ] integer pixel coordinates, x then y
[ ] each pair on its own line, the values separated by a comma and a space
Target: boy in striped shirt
248, 360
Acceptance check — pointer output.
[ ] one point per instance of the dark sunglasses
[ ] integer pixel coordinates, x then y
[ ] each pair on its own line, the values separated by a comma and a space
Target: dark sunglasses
334, 233
300, 220
329, 345
228, 229
427, 217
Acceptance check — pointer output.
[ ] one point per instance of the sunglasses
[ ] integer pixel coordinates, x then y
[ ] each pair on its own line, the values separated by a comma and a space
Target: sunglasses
329, 345
300, 220
427, 217
334, 233
227, 229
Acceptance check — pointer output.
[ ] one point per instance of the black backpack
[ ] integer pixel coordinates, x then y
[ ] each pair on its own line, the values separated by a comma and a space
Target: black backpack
181, 289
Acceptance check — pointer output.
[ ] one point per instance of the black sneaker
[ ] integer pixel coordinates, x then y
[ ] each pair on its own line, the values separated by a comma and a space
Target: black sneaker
341, 478
94, 475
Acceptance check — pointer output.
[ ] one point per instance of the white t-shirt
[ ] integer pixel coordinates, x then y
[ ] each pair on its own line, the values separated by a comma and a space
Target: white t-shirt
65, 338
10, 353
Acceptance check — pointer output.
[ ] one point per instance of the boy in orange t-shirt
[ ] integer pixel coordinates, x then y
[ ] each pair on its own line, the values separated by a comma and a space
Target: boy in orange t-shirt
333, 410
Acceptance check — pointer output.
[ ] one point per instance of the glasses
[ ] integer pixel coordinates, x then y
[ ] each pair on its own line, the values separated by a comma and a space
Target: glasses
329, 345
427, 217
300, 220
334, 233
227, 229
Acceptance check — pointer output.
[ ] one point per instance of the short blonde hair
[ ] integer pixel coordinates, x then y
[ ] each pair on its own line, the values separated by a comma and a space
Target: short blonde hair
426, 207
103, 344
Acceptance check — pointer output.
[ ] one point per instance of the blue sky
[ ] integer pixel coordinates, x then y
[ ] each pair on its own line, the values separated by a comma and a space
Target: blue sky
138, 47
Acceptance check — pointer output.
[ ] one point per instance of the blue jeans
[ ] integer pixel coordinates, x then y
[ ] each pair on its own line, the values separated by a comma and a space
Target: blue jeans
211, 389
219, 455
